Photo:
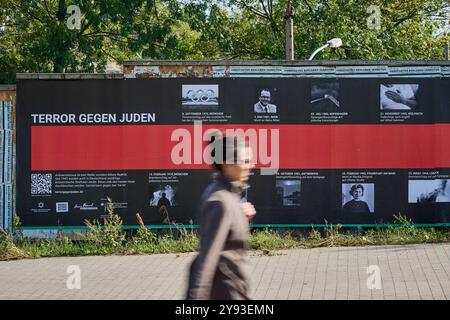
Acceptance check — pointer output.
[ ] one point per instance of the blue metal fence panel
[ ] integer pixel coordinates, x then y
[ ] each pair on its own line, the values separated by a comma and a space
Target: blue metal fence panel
2, 215
8, 206
6, 164
2, 152
7, 156
1, 116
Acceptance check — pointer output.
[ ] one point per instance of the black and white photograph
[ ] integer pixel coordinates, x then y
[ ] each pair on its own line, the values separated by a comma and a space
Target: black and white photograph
266, 101
398, 96
358, 197
164, 196
200, 97
325, 96
288, 192
164, 199
428, 191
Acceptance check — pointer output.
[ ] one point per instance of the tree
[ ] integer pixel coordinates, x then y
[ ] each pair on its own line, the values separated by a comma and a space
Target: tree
34, 36
408, 29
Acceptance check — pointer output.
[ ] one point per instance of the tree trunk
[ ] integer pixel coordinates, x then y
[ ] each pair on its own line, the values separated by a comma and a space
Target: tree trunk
61, 14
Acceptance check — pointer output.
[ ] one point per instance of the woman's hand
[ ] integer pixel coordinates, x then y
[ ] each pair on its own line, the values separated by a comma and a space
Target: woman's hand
248, 210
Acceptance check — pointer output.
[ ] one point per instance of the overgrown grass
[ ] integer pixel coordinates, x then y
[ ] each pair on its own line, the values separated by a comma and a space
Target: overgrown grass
8, 249
108, 238
66, 247
268, 239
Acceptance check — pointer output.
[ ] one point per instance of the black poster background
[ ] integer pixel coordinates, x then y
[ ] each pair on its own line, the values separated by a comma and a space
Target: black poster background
320, 199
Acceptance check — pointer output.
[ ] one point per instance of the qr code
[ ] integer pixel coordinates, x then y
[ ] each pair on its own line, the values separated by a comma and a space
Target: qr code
41, 183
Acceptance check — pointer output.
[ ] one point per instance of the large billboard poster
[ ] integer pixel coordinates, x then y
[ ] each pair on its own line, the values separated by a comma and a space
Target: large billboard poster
345, 150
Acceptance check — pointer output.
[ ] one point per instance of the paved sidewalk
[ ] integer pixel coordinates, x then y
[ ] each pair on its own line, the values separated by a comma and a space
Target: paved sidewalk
407, 272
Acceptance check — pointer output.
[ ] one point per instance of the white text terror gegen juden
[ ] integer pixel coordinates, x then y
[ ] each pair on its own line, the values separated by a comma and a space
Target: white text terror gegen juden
66, 118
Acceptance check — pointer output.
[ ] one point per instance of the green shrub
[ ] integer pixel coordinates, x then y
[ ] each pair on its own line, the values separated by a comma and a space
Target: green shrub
108, 234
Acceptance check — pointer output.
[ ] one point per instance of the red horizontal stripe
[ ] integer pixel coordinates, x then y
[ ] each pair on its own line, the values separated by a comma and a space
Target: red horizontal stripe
130, 147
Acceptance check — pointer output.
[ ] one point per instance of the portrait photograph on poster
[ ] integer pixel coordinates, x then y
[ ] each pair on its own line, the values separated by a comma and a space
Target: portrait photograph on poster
325, 96
426, 191
164, 196
358, 197
399, 96
288, 192
164, 199
265, 101
203, 97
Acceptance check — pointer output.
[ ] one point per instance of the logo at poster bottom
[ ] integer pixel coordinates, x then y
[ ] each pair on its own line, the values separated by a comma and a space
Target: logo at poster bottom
85, 206
62, 207
40, 208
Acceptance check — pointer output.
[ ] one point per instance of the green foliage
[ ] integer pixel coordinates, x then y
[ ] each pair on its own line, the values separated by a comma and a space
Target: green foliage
108, 234
269, 239
109, 239
144, 236
34, 36
404, 231
17, 228
163, 244
410, 30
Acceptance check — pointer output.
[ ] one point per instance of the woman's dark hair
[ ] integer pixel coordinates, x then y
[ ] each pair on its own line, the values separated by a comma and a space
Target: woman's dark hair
356, 186
230, 151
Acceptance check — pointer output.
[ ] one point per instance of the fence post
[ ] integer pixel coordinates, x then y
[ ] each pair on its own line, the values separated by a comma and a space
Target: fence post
6, 164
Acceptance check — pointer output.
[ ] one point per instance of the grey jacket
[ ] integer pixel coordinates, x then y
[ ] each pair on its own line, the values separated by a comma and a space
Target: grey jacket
221, 270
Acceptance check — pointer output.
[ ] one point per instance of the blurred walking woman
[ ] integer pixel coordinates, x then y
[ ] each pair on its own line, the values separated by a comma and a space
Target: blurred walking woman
221, 270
